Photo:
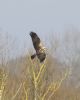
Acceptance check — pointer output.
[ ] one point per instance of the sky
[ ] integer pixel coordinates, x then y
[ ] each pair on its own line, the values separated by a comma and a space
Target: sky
45, 17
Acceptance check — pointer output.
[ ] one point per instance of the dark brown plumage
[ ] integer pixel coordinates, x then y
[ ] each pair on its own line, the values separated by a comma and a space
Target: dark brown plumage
40, 49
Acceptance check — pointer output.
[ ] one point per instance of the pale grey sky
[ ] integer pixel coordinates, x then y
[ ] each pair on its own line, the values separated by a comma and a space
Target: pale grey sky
19, 17
43, 16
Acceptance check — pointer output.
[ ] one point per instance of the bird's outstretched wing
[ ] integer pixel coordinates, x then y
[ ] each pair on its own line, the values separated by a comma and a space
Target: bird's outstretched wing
35, 39
40, 51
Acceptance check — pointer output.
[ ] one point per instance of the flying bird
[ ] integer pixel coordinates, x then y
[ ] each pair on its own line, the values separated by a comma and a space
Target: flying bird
39, 48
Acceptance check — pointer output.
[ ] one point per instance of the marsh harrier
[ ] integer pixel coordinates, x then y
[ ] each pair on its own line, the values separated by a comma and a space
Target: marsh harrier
39, 48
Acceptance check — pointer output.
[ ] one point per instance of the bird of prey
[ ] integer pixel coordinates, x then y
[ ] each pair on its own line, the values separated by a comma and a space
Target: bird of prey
39, 48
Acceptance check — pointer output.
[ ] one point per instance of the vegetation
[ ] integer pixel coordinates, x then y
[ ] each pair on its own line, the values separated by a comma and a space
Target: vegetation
26, 79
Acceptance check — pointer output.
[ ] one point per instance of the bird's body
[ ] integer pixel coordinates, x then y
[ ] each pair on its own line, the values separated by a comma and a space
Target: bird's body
39, 48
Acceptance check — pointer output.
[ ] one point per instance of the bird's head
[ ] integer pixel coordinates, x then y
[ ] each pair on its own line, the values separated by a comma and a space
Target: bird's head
33, 34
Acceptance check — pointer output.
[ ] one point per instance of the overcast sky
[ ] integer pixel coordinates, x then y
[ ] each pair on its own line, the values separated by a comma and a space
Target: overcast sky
19, 17
43, 16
